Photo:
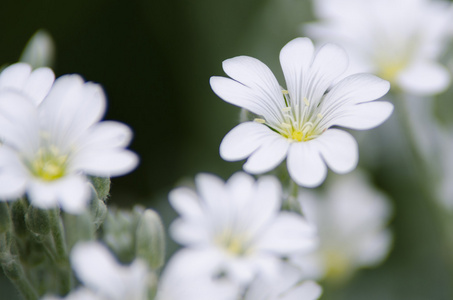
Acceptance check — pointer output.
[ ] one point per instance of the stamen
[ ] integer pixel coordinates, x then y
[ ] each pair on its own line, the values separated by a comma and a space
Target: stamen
306, 101
258, 120
286, 125
285, 92
286, 109
320, 116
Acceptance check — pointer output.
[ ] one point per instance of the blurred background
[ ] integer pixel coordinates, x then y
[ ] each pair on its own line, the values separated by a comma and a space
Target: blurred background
154, 60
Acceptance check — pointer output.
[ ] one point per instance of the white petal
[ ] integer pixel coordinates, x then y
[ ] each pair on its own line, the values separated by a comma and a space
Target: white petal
339, 150
243, 96
296, 58
354, 89
43, 194
211, 190
192, 233
288, 233
329, 63
15, 76
424, 79
254, 74
264, 204
105, 163
38, 84
96, 267
271, 153
19, 123
308, 290
243, 139
11, 187
186, 203
106, 135
305, 164
364, 116
74, 194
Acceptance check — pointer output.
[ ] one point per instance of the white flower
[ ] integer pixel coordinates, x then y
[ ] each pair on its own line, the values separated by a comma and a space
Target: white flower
351, 219
34, 85
48, 150
236, 227
184, 278
296, 123
286, 285
400, 40
104, 278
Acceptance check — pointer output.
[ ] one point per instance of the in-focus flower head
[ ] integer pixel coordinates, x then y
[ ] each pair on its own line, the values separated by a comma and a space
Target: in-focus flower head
49, 149
400, 40
297, 122
103, 278
236, 228
351, 218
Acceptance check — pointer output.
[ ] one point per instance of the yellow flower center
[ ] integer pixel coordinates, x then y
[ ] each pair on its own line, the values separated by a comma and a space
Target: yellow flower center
49, 164
390, 70
337, 265
234, 244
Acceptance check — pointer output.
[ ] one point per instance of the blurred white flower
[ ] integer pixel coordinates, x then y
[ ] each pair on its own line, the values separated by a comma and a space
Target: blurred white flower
184, 278
351, 219
48, 150
103, 277
296, 123
286, 285
34, 85
400, 40
236, 228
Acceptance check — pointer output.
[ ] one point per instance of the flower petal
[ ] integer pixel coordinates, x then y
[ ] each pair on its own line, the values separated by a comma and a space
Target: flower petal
38, 84
243, 139
74, 194
289, 233
186, 203
14, 77
424, 78
271, 153
339, 150
296, 58
254, 74
42, 194
364, 116
308, 290
305, 164
111, 163
243, 96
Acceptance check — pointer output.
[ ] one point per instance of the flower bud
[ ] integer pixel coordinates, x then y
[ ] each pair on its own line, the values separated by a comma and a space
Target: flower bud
150, 239
5, 218
18, 210
39, 51
98, 209
102, 187
37, 220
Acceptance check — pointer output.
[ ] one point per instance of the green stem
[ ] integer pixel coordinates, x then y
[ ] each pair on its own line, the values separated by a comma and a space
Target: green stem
291, 203
14, 271
56, 230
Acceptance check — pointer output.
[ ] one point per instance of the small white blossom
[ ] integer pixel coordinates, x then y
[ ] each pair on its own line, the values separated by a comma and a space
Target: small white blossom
351, 219
103, 277
400, 40
236, 227
49, 149
296, 123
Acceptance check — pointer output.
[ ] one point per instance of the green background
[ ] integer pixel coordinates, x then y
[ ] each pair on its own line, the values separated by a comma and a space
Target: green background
154, 60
